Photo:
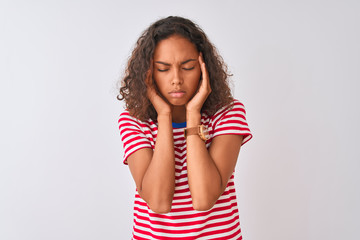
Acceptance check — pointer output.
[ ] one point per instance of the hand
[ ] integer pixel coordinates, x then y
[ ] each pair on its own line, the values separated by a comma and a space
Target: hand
196, 103
160, 105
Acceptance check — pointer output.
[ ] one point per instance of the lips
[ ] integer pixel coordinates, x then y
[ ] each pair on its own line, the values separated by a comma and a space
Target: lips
177, 94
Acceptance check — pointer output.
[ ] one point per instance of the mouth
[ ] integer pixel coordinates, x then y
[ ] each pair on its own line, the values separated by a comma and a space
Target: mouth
177, 94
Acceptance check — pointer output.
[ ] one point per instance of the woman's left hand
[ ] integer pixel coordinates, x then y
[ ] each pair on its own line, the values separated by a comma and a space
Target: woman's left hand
196, 103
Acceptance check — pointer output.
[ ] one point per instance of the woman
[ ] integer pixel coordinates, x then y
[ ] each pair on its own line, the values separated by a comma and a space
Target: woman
182, 131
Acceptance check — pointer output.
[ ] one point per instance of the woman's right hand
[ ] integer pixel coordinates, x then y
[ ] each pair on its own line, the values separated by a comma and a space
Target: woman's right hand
160, 105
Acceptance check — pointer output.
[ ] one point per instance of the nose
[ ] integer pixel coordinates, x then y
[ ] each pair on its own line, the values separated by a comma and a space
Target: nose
176, 78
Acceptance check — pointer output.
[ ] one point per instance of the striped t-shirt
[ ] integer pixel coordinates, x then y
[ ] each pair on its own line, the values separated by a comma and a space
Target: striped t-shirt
183, 222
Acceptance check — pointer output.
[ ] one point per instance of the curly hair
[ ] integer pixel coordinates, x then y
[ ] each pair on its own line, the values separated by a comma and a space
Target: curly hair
133, 87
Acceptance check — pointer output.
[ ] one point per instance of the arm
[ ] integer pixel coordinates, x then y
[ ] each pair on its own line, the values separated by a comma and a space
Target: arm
208, 171
154, 171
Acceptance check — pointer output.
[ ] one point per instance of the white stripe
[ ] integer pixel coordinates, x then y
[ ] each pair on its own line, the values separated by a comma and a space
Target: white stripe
242, 132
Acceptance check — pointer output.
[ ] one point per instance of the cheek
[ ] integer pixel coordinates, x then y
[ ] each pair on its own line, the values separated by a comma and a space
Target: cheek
159, 84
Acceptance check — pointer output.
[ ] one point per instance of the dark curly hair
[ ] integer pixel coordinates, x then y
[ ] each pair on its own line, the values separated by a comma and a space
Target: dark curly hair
133, 87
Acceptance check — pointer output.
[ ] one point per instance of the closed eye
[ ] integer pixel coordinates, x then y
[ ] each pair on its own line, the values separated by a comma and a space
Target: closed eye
163, 70
187, 69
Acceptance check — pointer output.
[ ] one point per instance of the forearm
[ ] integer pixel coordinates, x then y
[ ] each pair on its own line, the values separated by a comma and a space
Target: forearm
159, 180
204, 178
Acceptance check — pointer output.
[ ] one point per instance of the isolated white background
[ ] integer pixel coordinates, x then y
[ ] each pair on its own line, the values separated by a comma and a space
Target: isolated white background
296, 68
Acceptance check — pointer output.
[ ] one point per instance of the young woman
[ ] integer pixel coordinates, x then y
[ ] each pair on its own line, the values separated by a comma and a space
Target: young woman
182, 131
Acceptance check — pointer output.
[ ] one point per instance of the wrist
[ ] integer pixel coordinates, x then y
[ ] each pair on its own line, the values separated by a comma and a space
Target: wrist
164, 117
200, 131
193, 119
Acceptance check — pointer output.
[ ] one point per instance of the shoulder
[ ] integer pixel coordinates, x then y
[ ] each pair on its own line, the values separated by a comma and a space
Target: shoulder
125, 117
127, 120
235, 107
231, 120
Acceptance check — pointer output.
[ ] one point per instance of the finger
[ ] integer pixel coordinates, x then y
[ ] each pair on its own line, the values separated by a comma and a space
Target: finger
205, 77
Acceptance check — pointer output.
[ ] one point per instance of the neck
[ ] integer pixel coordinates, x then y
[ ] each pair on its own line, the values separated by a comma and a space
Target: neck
178, 114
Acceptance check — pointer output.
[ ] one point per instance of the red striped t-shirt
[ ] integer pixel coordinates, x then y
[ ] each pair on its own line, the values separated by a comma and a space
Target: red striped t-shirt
183, 222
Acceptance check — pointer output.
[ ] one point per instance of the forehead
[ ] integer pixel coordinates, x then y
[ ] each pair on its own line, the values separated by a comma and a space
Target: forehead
175, 48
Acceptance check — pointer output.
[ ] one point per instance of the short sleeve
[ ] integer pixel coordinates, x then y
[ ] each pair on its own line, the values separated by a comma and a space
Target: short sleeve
132, 135
232, 120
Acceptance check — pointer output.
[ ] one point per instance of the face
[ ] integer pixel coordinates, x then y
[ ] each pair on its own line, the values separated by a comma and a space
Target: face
176, 69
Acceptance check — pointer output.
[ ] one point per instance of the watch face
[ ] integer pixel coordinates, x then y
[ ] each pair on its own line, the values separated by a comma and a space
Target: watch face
204, 133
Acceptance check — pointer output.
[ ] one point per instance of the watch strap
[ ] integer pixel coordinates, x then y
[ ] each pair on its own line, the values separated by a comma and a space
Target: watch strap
199, 130
191, 131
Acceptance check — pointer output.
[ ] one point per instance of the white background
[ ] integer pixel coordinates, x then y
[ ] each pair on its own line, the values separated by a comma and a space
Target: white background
296, 68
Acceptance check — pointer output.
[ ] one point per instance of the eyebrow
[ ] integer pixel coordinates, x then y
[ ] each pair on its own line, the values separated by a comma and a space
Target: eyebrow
168, 64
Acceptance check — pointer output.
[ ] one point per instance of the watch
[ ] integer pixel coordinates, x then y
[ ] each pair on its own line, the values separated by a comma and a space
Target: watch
200, 130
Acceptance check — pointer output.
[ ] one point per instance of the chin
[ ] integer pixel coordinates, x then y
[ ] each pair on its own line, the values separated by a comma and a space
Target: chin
178, 103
